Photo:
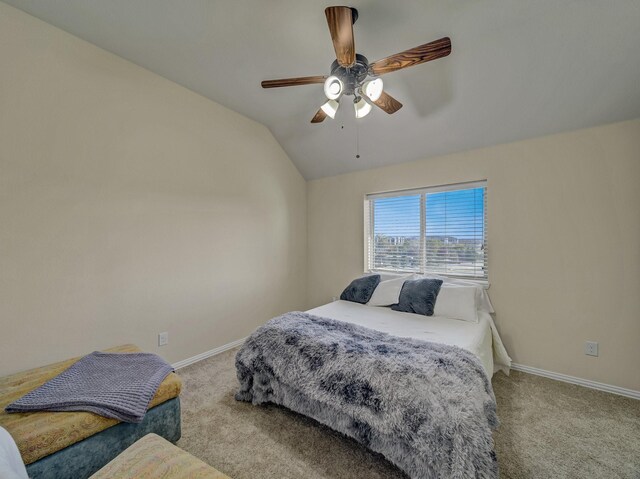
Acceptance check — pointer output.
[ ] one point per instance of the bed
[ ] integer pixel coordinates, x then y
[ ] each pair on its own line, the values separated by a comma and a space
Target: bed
414, 387
481, 338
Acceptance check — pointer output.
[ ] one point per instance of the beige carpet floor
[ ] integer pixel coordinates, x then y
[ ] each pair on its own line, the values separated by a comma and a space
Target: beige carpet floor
548, 430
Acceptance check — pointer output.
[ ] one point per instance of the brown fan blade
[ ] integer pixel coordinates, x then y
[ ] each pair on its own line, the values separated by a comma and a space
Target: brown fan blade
319, 116
293, 81
388, 103
340, 20
413, 56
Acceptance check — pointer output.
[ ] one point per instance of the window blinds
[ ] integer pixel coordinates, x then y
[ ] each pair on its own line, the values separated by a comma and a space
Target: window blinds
431, 230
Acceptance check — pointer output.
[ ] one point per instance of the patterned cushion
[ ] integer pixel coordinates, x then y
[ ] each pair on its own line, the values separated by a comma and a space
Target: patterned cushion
86, 457
153, 457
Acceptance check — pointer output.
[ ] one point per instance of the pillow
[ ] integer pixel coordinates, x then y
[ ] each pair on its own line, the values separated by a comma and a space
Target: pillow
388, 292
457, 302
483, 302
361, 289
418, 296
384, 276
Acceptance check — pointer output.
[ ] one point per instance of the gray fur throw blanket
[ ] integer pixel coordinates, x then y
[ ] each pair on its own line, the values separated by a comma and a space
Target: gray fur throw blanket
114, 385
427, 407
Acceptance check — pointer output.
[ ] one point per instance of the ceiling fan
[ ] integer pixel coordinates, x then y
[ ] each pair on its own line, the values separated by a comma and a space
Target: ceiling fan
350, 70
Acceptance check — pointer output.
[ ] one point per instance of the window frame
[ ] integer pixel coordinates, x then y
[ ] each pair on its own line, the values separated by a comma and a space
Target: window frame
369, 213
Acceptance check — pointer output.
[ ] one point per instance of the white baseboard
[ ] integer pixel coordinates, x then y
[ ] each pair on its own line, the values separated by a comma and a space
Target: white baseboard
579, 381
208, 354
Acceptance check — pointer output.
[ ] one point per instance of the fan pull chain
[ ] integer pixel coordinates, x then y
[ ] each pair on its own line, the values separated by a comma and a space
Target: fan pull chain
357, 140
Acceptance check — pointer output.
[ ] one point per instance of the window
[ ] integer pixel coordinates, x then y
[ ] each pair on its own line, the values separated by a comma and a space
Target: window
430, 230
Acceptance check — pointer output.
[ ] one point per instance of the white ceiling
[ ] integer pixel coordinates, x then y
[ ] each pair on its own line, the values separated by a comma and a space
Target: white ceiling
518, 68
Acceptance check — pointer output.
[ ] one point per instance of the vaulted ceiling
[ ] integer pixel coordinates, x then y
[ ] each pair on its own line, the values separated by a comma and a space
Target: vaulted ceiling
518, 69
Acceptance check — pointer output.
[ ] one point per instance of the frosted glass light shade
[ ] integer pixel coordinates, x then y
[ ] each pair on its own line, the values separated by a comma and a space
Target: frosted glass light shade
361, 107
333, 87
373, 88
330, 108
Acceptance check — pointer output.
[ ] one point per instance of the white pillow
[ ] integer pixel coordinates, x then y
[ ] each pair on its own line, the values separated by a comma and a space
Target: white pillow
483, 303
388, 292
457, 302
386, 276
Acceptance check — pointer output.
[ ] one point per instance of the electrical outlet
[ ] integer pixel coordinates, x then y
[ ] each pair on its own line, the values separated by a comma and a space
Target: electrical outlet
591, 348
163, 339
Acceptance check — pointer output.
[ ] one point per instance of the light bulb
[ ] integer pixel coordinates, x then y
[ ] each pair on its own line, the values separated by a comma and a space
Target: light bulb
330, 108
333, 87
361, 107
373, 88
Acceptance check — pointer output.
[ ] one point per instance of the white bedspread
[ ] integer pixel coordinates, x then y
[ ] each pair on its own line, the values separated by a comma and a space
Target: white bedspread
481, 338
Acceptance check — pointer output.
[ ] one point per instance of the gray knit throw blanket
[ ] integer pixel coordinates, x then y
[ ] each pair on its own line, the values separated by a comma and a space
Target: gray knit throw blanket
427, 407
114, 385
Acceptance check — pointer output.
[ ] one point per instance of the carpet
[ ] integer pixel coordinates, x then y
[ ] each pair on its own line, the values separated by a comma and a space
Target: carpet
548, 429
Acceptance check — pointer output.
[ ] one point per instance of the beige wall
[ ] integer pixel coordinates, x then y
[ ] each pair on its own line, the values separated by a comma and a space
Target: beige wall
130, 206
564, 243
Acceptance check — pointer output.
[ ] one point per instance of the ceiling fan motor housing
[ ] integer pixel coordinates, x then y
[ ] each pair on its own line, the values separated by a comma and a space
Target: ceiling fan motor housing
354, 15
353, 76
350, 70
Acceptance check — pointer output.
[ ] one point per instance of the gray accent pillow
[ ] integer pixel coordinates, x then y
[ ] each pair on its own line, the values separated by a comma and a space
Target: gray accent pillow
418, 296
361, 289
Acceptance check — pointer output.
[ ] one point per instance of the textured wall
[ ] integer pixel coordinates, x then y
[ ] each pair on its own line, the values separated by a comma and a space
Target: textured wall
564, 242
130, 206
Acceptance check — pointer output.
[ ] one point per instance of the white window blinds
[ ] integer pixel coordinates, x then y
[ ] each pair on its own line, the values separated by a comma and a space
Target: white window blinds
431, 230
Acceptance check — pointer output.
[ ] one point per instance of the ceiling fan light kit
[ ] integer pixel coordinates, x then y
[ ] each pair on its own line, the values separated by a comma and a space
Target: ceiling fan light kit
361, 107
373, 89
350, 70
333, 87
330, 108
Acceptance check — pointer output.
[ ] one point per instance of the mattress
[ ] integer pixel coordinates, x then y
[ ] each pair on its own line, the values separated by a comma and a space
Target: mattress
153, 457
39, 434
481, 338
